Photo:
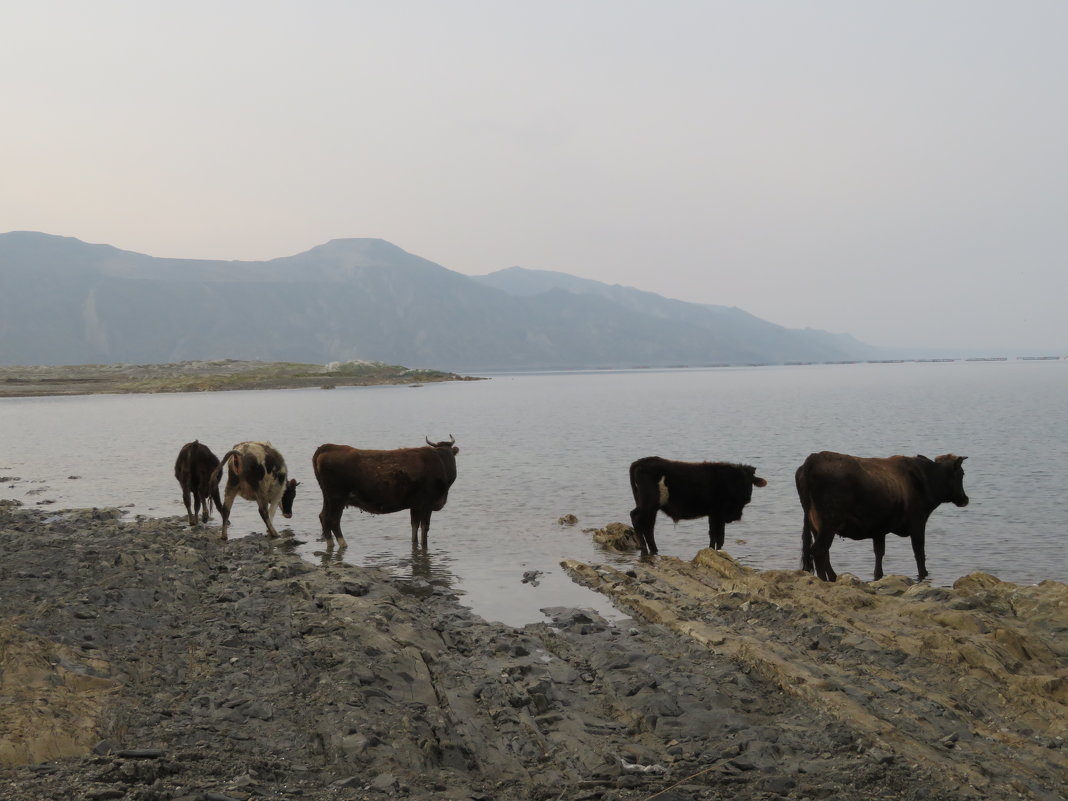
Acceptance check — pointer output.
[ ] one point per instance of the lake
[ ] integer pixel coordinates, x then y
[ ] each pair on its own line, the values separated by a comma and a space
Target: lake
535, 447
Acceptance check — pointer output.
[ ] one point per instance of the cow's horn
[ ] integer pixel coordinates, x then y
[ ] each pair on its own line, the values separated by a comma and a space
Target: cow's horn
428, 442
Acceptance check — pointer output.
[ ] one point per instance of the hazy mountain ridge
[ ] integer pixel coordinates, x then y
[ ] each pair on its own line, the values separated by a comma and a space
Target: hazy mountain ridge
749, 333
63, 301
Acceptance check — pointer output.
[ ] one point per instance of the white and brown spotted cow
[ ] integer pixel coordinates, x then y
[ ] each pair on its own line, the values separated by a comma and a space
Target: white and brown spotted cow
257, 472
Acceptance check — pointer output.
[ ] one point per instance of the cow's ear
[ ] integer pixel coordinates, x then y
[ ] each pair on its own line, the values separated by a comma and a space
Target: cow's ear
757, 480
961, 459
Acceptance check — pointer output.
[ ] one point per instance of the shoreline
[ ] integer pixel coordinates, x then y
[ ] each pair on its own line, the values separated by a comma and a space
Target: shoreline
207, 376
148, 659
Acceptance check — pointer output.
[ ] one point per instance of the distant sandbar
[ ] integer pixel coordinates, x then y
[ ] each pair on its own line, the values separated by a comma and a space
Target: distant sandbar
206, 376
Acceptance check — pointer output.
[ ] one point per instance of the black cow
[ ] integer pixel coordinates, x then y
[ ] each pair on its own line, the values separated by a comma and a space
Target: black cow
862, 499
193, 469
257, 472
688, 490
382, 482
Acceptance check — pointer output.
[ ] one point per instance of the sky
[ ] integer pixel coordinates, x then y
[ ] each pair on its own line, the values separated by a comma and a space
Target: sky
892, 169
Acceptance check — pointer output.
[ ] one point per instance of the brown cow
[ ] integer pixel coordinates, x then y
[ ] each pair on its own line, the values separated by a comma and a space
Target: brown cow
193, 469
688, 490
257, 472
862, 499
382, 482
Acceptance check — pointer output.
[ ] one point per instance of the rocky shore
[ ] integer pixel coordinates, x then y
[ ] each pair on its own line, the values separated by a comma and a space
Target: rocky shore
148, 661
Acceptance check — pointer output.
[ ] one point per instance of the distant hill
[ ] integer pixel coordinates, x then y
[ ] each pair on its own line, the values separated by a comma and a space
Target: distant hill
63, 301
732, 327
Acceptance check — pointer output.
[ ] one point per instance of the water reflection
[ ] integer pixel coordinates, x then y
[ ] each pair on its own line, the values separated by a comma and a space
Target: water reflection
422, 572
422, 564
331, 554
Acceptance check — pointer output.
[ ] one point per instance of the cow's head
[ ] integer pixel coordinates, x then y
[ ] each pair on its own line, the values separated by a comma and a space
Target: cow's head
450, 445
953, 478
288, 494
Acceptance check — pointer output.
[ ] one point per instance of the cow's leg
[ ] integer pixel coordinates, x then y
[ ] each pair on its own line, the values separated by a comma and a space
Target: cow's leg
266, 512
420, 525
326, 522
196, 505
821, 556
918, 539
716, 533
878, 544
644, 520
823, 567
806, 546
188, 509
330, 519
204, 498
228, 502
215, 499
424, 528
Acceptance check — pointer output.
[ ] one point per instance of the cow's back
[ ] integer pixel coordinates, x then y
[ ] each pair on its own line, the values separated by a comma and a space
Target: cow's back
730, 487
256, 467
195, 462
325, 456
645, 475
843, 489
380, 481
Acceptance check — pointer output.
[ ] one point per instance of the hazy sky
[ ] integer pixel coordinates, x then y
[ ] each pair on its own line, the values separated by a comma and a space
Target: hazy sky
897, 170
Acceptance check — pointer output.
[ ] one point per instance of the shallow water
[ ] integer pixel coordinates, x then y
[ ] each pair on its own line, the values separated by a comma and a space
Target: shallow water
534, 447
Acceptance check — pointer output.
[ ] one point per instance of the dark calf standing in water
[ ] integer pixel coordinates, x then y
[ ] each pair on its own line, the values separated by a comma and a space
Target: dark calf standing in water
193, 469
689, 490
862, 499
257, 472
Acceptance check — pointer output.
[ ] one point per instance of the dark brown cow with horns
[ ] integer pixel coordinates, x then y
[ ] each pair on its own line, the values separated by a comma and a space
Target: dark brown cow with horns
861, 499
689, 490
193, 469
382, 482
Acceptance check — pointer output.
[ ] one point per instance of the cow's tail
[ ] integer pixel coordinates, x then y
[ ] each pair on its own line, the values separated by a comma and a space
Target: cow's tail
806, 545
806, 527
216, 474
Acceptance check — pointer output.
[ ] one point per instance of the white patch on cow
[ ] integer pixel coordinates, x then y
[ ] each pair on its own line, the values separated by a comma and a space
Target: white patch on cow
663, 491
267, 494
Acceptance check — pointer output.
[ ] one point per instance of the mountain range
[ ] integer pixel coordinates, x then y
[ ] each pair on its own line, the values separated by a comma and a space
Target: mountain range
64, 301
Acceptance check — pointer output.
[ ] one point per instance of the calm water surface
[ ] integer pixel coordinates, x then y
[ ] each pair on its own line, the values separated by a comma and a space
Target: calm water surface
534, 447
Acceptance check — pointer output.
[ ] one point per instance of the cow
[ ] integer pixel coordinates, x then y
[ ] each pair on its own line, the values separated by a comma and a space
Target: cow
382, 482
193, 469
257, 472
689, 490
861, 498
